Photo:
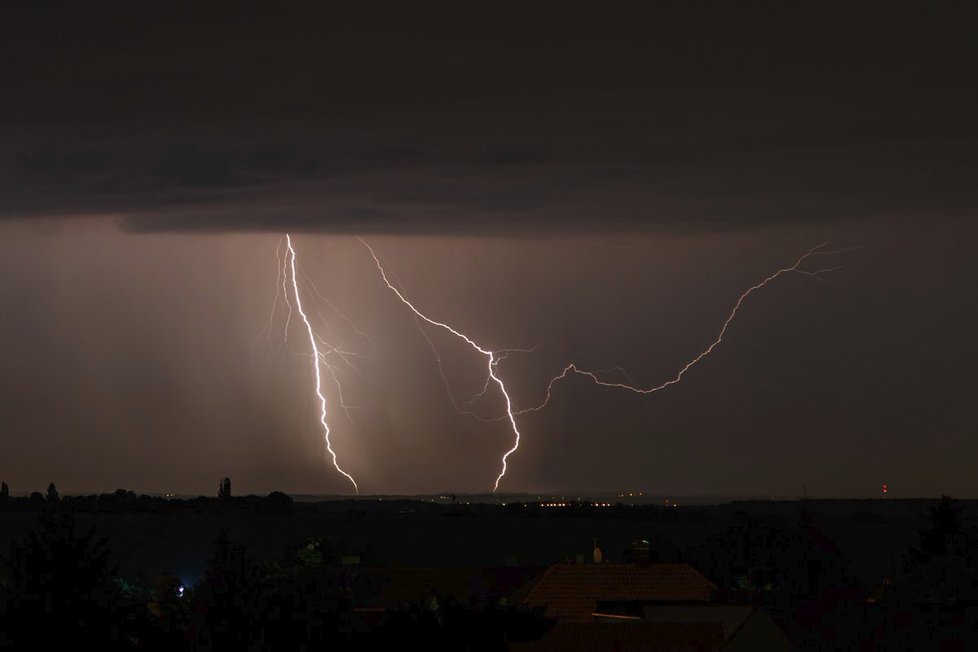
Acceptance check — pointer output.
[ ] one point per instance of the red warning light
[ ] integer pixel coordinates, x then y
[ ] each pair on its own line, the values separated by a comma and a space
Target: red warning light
885, 488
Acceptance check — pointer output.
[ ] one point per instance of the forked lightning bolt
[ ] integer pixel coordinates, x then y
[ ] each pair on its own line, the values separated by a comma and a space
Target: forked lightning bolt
288, 273
818, 250
491, 359
317, 358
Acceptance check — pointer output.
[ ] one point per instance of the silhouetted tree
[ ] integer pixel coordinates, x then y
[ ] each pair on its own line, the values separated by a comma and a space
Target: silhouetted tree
224, 491
313, 554
4, 491
228, 603
944, 531
169, 606
123, 496
278, 503
786, 567
52, 496
60, 589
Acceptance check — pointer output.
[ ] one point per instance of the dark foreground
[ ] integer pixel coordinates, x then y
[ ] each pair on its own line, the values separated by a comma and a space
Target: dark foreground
122, 571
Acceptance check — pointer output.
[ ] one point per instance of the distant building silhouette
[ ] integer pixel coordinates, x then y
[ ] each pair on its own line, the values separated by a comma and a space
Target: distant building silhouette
571, 592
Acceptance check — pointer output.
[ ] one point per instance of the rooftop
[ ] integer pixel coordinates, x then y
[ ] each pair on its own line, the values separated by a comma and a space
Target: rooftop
571, 592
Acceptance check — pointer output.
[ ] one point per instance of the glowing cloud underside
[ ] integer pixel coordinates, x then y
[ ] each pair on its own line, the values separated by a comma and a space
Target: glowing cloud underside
317, 358
491, 359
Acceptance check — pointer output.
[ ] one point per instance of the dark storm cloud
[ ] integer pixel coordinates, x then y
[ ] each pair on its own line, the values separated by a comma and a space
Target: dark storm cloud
501, 118
200, 188
154, 363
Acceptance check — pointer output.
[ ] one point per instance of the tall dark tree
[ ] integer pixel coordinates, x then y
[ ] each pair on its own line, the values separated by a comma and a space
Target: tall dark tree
946, 525
278, 503
230, 602
60, 591
224, 491
4, 491
170, 609
53, 494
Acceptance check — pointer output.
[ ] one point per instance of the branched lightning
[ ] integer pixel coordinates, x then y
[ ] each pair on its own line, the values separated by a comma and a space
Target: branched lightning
339, 393
482, 392
818, 250
337, 361
267, 333
285, 292
281, 295
318, 357
444, 378
353, 326
491, 359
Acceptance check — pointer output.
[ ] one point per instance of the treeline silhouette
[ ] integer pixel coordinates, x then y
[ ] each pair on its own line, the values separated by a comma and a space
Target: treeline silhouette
124, 501
60, 586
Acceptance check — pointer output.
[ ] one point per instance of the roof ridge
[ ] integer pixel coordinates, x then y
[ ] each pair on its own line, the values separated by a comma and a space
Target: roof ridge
538, 581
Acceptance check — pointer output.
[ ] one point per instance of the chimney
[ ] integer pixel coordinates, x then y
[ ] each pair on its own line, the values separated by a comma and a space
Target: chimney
640, 552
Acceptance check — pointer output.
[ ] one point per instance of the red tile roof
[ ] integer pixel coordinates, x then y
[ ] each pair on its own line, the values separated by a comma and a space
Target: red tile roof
570, 592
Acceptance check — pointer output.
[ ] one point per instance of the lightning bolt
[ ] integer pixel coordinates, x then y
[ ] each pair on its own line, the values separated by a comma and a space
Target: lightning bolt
796, 267
287, 268
267, 332
280, 295
448, 386
318, 357
491, 359
284, 276
501, 355
352, 324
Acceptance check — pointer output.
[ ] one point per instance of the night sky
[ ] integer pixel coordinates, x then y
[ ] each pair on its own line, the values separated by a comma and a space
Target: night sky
600, 181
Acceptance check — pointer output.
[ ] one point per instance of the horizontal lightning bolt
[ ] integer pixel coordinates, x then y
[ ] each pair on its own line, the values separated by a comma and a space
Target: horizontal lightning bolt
818, 250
